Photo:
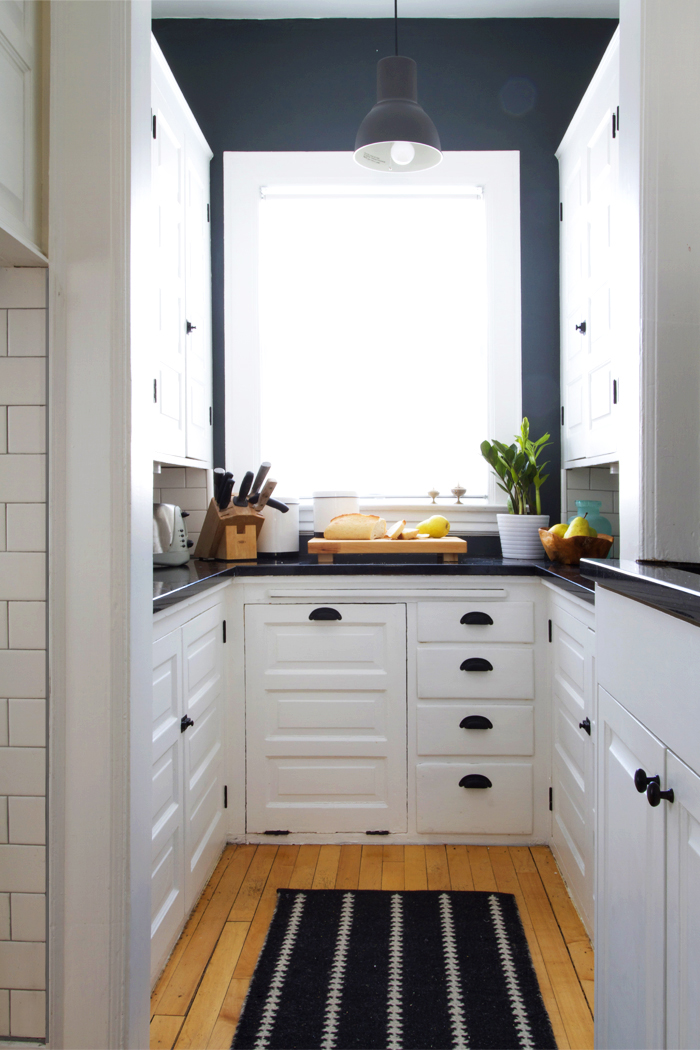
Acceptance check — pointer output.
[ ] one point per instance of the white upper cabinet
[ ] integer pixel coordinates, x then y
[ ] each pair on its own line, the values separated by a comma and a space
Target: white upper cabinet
21, 164
588, 176
182, 274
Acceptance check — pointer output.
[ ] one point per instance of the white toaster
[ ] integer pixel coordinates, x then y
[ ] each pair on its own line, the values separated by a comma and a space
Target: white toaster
170, 542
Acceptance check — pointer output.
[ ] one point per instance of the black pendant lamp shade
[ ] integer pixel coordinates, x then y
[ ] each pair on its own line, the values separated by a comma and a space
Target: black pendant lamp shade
396, 134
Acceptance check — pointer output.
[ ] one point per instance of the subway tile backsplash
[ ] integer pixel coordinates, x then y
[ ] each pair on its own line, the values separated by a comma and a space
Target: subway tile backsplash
595, 483
187, 487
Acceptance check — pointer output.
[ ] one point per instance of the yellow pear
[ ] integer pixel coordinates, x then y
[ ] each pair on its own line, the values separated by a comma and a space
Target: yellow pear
592, 532
578, 527
437, 526
560, 529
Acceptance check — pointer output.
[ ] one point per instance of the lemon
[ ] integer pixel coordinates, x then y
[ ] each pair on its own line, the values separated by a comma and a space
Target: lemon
437, 526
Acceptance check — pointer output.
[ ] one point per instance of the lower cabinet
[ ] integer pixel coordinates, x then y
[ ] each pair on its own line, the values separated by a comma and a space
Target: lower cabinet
188, 830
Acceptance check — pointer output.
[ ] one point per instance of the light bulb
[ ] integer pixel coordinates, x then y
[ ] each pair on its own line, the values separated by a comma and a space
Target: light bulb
402, 153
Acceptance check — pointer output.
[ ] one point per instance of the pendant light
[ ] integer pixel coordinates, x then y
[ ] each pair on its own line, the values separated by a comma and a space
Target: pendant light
396, 134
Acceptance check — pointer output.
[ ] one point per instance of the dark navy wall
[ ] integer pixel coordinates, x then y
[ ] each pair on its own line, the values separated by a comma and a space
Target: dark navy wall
307, 84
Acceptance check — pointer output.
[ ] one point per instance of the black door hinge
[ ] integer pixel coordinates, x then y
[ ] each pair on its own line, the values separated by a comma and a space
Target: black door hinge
561, 212
562, 415
155, 391
614, 126
225, 796
376, 833
617, 114
209, 415
223, 625
614, 391
275, 832
549, 628
551, 795
208, 220
154, 125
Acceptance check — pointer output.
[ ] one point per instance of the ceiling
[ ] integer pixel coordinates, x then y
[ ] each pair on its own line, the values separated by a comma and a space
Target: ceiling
385, 8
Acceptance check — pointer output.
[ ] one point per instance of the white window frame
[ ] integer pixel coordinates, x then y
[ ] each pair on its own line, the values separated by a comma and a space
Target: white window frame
498, 174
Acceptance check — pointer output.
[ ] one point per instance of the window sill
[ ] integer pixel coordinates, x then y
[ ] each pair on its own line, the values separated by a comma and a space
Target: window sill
471, 517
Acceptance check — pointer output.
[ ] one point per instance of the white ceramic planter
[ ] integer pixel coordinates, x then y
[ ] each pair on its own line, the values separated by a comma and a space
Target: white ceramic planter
519, 535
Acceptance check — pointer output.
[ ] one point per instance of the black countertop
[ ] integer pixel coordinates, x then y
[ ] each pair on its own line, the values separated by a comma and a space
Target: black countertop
672, 587
172, 585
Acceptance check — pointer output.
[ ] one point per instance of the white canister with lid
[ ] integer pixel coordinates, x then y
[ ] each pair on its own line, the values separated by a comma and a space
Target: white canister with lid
328, 505
280, 533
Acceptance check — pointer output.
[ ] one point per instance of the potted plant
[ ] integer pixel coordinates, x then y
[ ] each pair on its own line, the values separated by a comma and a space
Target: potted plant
520, 476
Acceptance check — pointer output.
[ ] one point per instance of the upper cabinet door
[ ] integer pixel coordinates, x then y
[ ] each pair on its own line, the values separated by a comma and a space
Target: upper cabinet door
20, 118
198, 303
588, 164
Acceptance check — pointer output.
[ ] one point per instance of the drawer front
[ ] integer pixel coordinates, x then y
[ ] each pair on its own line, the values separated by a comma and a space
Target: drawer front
468, 622
445, 807
439, 730
512, 676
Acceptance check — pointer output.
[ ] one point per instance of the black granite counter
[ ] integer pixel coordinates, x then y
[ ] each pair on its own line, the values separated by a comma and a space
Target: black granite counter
672, 587
172, 585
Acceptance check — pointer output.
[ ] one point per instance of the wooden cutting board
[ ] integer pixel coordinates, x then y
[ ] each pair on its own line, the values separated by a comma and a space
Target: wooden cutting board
450, 548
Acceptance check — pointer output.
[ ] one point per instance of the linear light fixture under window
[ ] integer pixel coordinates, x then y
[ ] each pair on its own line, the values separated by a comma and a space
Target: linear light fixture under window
319, 190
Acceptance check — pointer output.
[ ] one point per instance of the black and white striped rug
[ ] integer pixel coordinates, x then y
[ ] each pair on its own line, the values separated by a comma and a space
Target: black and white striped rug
373, 969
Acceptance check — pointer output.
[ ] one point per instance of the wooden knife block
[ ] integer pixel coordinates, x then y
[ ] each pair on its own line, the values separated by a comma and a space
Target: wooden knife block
229, 535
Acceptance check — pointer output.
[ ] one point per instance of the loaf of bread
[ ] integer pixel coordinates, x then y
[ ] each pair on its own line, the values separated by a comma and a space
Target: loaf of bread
356, 527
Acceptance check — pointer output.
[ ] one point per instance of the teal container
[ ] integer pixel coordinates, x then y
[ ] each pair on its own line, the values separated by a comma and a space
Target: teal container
590, 510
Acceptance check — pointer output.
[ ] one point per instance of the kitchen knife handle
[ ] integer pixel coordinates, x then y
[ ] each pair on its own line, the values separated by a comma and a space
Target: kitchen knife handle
245, 486
263, 471
276, 505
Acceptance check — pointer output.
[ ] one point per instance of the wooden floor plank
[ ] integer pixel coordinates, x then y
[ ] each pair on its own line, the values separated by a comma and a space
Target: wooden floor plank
243, 908
392, 854
327, 868
211, 993
522, 859
572, 1002
222, 1035
568, 918
460, 871
436, 866
190, 927
581, 953
507, 882
393, 875
371, 868
164, 1031
415, 872
480, 865
348, 868
183, 984
280, 874
303, 874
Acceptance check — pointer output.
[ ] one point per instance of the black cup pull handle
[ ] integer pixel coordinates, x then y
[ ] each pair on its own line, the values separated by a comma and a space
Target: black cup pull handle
655, 794
475, 780
476, 722
324, 613
642, 781
476, 663
477, 618
185, 723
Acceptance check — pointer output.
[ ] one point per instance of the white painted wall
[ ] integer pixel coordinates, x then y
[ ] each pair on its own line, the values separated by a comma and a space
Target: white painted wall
22, 652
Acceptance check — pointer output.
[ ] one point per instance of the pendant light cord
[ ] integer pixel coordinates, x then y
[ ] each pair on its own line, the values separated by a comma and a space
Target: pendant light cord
396, 27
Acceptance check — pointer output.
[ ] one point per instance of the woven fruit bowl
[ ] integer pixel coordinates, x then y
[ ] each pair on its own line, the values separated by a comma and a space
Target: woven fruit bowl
570, 552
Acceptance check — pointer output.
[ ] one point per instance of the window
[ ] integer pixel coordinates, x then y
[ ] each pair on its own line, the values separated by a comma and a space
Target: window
372, 324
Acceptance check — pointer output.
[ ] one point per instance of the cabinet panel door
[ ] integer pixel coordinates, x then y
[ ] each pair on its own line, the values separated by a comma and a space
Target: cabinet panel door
326, 719
683, 906
198, 303
20, 62
167, 872
442, 622
630, 906
504, 808
203, 690
168, 197
512, 676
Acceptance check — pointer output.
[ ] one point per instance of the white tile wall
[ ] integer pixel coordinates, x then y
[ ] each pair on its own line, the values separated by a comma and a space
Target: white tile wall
187, 487
22, 652
596, 483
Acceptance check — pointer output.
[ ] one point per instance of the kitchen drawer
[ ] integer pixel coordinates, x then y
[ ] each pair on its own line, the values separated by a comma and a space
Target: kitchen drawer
442, 622
512, 674
503, 809
438, 729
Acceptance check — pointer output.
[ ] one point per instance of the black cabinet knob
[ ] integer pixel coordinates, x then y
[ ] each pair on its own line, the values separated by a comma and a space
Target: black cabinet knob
476, 722
642, 781
655, 794
475, 780
190, 327
581, 328
185, 723
476, 663
325, 613
585, 725
477, 618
